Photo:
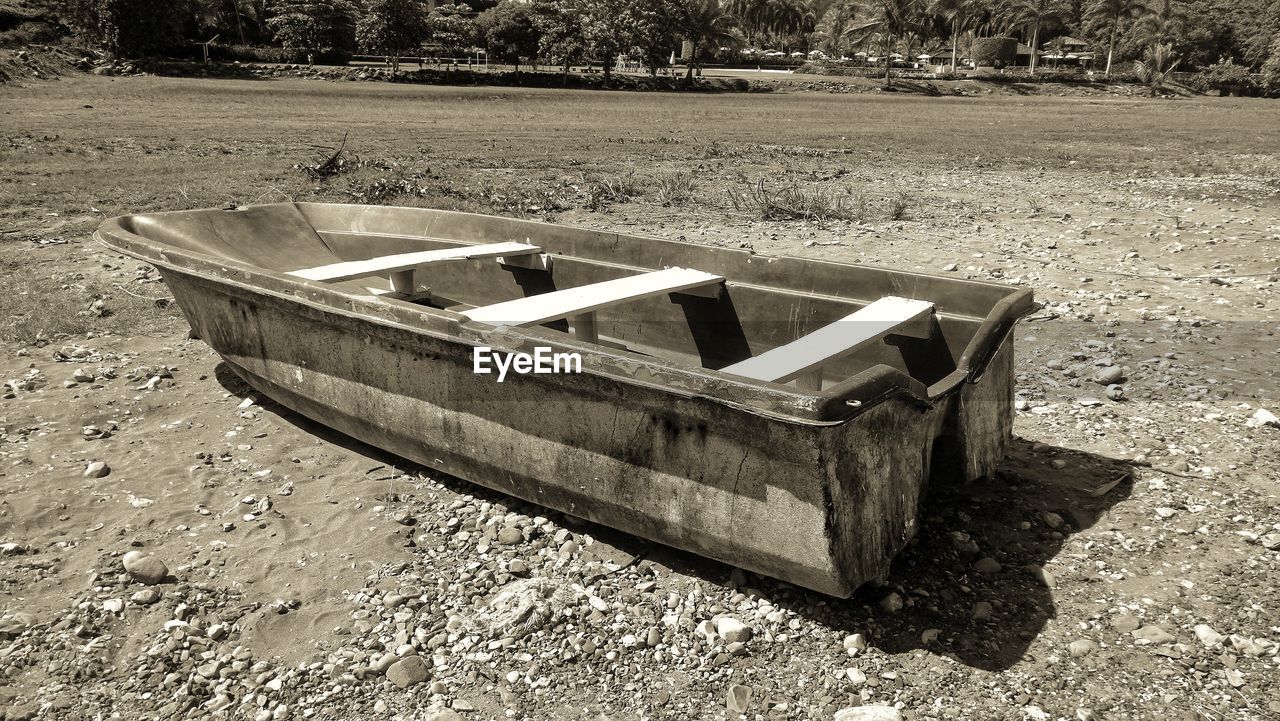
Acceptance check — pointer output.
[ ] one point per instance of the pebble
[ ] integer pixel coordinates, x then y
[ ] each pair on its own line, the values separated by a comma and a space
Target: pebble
145, 597
408, 671
145, 568
1271, 541
1082, 647
113, 605
97, 469
1153, 634
981, 611
1125, 623
1208, 636
732, 630
892, 602
442, 714
868, 713
738, 699
855, 643
1263, 417
1108, 376
987, 566
510, 535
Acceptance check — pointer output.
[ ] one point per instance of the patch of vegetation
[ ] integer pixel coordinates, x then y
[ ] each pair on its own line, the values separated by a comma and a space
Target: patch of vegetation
675, 188
793, 202
40, 309
606, 189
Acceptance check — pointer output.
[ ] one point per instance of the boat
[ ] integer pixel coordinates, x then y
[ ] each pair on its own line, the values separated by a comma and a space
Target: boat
779, 414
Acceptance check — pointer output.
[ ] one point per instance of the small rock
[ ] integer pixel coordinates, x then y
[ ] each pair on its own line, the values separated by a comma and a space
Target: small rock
144, 568
732, 630
145, 597
1108, 376
981, 611
1082, 647
738, 700
1271, 541
97, 469
443, 714
855, 643
1208, 636
510, 535
1263, 417
987, 566
1125, 623
113, 605
408, 671
1088, 401
892, 602
868, 713
1153, 634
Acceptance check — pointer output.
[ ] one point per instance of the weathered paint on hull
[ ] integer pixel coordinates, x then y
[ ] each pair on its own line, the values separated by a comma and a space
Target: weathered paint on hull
819, 504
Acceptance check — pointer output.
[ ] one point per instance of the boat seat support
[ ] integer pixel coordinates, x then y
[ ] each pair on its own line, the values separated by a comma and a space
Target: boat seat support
401, 267
802, 360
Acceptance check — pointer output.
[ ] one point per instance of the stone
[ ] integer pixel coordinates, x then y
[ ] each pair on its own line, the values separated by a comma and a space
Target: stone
145, 597
113, 605
1271, 541
145, 568
738, 699
892, 602
1082, 647
97, 469
510, 535
981, 611
1263, 417
442, 714
1125, 623
1108, 376
987, 566
408, 671
855, 643
1153, 634
1208, 636
868, 713
13, 624
732, 630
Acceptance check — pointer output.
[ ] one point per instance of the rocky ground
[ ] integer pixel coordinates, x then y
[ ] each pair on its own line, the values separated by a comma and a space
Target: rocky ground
173, 546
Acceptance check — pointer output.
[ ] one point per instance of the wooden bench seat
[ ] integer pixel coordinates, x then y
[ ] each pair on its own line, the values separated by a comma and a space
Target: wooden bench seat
400, 267
802, 359
581, 303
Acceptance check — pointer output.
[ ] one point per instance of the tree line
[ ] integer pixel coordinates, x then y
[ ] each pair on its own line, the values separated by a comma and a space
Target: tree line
1158, 34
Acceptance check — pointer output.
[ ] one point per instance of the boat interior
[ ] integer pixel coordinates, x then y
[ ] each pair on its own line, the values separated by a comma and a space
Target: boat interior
805, 323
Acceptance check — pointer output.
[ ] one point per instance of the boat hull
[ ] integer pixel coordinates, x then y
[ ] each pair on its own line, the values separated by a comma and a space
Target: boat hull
821, 504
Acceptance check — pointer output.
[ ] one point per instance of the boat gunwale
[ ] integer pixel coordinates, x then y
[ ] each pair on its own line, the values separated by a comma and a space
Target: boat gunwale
831, 406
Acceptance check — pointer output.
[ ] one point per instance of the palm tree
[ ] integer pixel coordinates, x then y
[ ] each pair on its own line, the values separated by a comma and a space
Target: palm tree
707, 23
1161, 24
959, 14
1109, 14
1156, 66
889, 19
1031, 16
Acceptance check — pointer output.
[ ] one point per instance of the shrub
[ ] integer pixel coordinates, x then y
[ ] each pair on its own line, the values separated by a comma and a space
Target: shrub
1223, 77
675, 188
990, 51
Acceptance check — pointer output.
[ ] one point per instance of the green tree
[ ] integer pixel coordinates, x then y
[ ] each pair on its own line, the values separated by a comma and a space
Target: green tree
654, 32
707, 23
607, 27
1031, 17
1271, 70
129, 28
833, 27
314, 28
1164, 23
392, 27
1109, 15
509, 32
1156, 66
451, 31
560, 33
960, 16
888, 20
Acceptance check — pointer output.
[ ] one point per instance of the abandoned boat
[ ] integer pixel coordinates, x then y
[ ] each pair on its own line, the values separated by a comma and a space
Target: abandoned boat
778, 414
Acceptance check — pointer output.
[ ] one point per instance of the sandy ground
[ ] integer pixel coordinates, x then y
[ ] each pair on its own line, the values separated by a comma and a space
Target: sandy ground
1122, 563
